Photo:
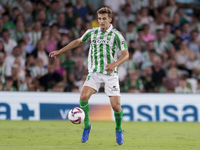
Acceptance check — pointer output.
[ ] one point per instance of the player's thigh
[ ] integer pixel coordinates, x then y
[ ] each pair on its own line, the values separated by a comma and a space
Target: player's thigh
91, 86
112, 86
86, 93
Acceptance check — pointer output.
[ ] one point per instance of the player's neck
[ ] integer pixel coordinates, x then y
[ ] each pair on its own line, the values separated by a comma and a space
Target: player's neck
106, 28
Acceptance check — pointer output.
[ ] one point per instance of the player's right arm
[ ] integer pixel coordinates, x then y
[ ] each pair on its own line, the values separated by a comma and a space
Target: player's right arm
85, 37
71, 45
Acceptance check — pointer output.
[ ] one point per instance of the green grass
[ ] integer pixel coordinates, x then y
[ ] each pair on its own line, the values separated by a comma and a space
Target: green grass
56, 135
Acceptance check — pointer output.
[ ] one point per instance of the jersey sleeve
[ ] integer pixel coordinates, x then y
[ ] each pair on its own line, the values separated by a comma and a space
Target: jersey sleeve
86, 37
121, 43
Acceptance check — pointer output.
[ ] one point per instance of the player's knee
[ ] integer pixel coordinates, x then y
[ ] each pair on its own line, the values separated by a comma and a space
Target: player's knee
117, 108
84, 97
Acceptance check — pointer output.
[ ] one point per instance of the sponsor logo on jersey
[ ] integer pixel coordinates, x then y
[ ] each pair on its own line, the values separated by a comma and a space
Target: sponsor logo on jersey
100, 41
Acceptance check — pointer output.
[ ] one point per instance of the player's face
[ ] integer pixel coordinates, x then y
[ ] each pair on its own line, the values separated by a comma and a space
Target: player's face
104, 21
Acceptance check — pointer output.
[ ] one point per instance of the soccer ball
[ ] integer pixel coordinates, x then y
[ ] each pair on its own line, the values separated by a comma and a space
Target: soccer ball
76, 115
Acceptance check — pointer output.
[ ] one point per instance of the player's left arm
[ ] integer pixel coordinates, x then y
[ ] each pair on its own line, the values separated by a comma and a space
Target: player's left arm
124, 51
110, 67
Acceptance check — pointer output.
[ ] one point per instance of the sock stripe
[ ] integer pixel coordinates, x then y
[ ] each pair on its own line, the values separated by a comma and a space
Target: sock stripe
84, 106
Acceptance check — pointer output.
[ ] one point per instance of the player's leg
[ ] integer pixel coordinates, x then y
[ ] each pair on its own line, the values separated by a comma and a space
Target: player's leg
84, 97
91, 85
118, 113
113, 91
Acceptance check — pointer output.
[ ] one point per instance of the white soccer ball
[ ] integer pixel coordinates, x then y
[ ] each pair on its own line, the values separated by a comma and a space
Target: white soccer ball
76, 115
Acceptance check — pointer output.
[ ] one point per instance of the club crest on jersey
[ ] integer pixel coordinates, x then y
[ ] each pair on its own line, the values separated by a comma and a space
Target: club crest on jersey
100, 41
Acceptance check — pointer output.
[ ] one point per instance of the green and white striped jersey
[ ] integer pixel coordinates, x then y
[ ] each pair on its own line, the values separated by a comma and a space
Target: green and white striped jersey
103, 48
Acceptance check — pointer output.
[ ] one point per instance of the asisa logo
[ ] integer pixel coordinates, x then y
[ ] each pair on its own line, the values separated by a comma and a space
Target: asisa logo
170, 113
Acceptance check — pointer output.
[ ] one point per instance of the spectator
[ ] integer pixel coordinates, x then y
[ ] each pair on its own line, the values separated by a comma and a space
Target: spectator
77, 27
162, 47
149, 52
146, 19
177, 39
182, 88
176, 22
8, 86
194, 44
26, 85
147, 36
68, 62
45, 36
8, 25
41, 16
51, 45
125, 17
196, 68
172, 8
9, 61
158, 24
38, 70
62, 26
81, 10
25, 7
64, 41
164, 15
2, 49
148, 83
140, 44
51, 13
1, 26
131, 33
116, 7
130, 64
41, 53
30, 62
37, 7
93, 6
198, 87
15, 13
185, 58
158, 73
186, 32
172, 80
28, 47
59, 69
3, 68
15, 76
168, 37
35, 35
19, 18
19, 32
77, 70
51, 76
133, 81
8, 43
70, 15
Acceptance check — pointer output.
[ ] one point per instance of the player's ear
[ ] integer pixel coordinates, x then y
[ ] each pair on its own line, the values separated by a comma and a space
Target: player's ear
110, 19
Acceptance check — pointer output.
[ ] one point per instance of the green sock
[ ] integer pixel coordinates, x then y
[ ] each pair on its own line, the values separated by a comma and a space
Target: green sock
86, 108
118, 120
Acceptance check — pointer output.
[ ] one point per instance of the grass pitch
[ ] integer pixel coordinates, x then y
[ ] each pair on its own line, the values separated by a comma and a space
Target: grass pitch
63, 135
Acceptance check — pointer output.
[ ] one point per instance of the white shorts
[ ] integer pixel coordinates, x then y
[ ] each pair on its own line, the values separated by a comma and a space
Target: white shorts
111, 83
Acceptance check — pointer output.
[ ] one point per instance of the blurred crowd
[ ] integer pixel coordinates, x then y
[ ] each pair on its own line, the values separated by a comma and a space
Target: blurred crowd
163, 38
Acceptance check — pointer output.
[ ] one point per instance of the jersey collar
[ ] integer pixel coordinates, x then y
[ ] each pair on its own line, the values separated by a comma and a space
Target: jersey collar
109, 29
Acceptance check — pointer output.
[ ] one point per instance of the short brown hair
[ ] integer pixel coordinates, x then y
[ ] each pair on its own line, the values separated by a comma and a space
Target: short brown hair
104, 10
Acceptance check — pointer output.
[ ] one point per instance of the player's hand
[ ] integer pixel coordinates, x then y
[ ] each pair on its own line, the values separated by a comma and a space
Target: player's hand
54, 54
110, 67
